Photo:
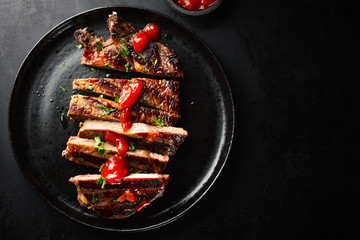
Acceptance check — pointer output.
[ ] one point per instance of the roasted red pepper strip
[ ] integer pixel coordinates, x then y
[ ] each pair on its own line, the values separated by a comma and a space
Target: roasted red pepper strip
129, 95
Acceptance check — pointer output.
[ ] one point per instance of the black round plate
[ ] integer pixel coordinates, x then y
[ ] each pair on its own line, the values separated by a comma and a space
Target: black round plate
38, 104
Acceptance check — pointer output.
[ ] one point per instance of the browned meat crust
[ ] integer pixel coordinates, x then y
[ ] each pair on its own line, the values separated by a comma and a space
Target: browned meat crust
82, 151
118, 53
145, 187
161, 94
163, 140
83, 107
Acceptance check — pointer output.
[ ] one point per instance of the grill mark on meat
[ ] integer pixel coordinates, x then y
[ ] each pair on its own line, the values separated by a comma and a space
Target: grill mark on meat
83, 107
161, 94
138, 160
145, 187
163, 140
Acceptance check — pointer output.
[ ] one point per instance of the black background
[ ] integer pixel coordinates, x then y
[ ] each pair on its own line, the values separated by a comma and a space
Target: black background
293, 172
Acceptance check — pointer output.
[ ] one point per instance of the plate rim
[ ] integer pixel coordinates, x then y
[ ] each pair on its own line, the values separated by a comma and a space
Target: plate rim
56, 30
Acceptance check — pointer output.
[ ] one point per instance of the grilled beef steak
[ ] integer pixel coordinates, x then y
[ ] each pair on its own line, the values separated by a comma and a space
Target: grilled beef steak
118, 52
161, 94
83, 151
136, 192
163, 140
83, 107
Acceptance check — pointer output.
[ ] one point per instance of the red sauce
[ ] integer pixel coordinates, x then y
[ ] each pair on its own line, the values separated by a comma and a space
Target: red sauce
129, 96
92, 56
142, 205
115, 167
195, 5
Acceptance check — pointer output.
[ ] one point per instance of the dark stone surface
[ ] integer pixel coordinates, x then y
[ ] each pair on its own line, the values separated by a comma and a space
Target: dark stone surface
293, 171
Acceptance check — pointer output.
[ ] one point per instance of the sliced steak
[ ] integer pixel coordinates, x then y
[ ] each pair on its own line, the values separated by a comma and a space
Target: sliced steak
161, 94
83, 107
144, 188
163, 140
83, 151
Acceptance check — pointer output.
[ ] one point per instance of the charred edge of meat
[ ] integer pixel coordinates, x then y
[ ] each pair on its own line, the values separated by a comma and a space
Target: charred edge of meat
162, 94
83, 107
118, 27
88, 40
103, 201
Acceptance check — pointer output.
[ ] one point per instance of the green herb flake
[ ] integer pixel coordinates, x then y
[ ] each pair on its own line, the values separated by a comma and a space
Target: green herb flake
129, 203
100, 149
158, 122
101, 96
80, 159
113, 34
155, 62
127, 66
107, 65
98, 141
103, 184
94, 200
62, 88
94, 70
98, 46
89, 88
116, 97
141, 55
144, 69
79, 46
81, 83
101, 167
63, 65
108, 152
101, 181
141, 171
160, 82
108, 110
131, 146
115, 201
131, 170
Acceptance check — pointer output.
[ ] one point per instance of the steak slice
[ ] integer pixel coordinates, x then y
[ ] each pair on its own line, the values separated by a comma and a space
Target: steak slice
162, 94
82, 151
83, 107
118, 52
163, 140
144, 187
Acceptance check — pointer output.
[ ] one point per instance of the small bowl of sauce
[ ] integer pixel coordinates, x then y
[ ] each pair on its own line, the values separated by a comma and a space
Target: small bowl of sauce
195, 7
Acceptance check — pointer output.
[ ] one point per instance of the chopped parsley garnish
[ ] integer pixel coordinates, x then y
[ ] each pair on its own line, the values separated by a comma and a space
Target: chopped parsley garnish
79, 46
127, 66
141, 55
116, 97
141, 171
98, 46
94, 200
94, 70
101, 167
108, 152
115, 201
101, 96
131, 146
155, 63
107, 65
160, 82
144, 69
101, 181
82, 83
89, 88
62, 88
108, 110
158, 122
99, 145
63, 65
129, 203
80, 159
113, 34
123, 50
